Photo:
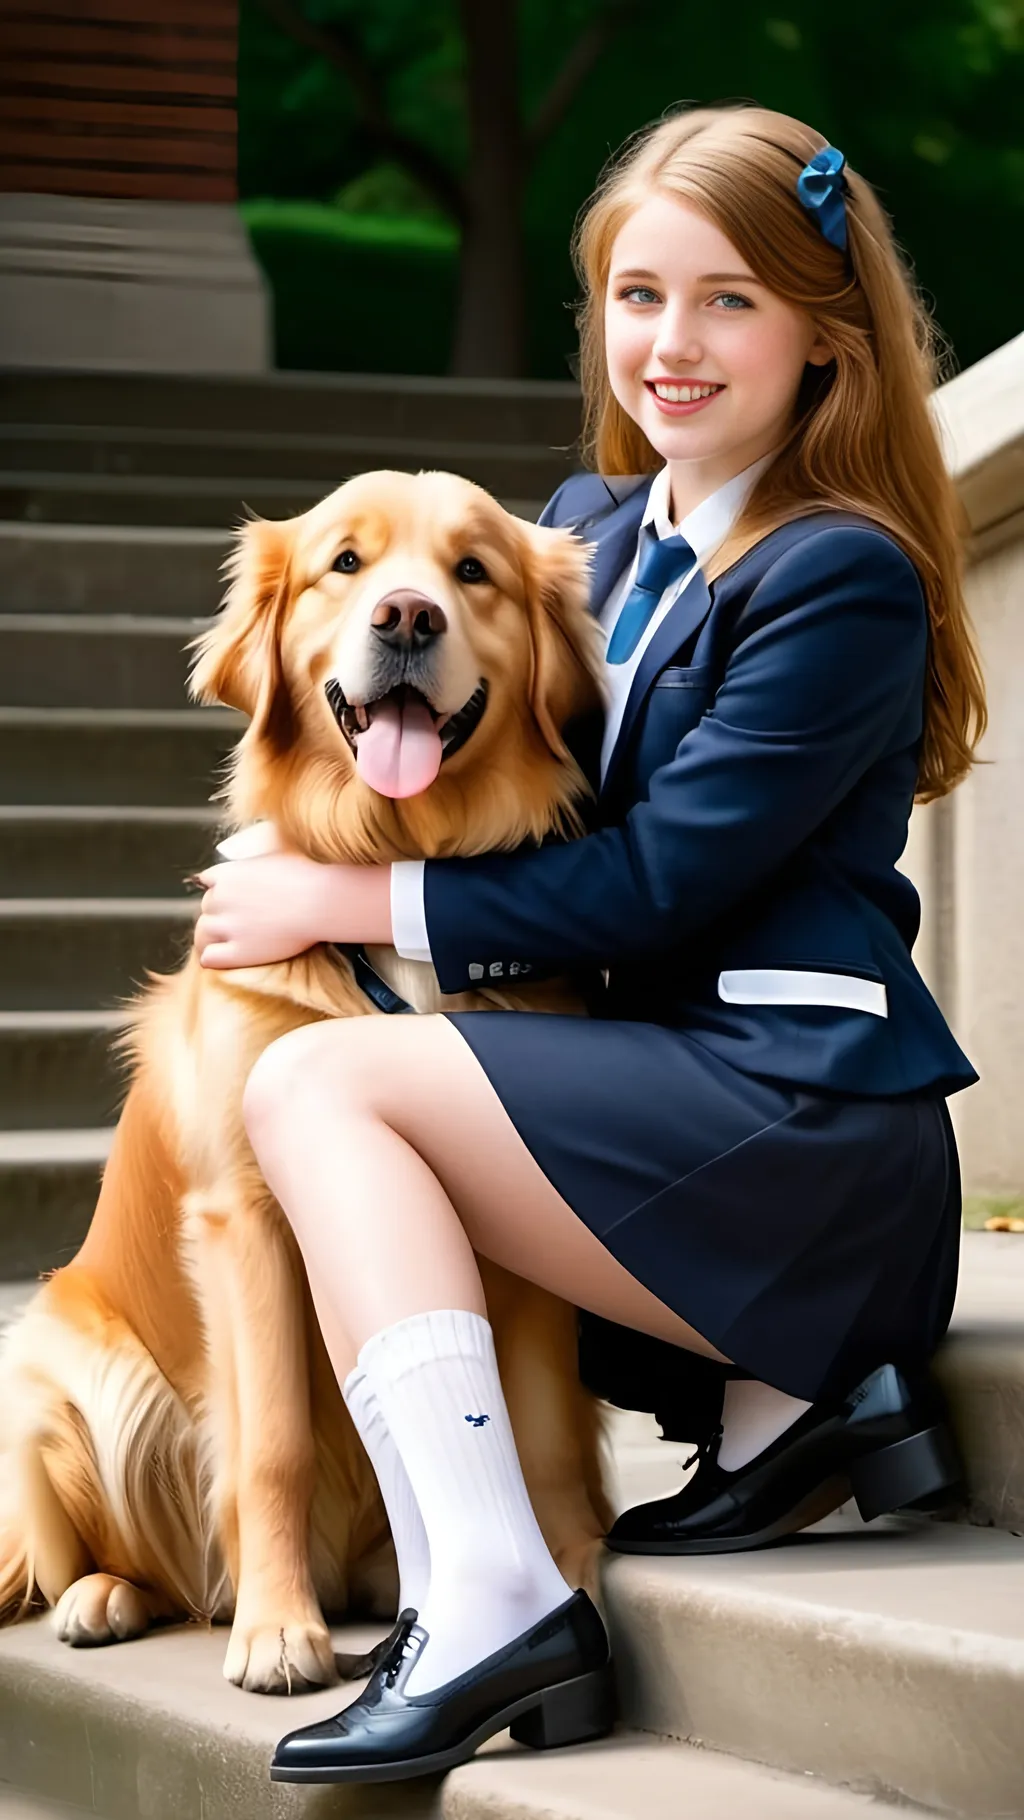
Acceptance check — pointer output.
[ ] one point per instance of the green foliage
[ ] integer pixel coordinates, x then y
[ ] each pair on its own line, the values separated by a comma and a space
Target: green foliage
356, 293
924, 96
981, 1207
388, 191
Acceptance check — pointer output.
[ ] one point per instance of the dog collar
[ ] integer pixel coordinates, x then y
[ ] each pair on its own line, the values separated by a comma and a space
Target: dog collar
369, 981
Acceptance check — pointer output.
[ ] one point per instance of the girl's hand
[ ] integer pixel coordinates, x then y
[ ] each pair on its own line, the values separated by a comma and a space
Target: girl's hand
271, 908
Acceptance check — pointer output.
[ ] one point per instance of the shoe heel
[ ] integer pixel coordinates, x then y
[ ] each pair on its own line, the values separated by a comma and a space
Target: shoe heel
917, 1471
573, 1713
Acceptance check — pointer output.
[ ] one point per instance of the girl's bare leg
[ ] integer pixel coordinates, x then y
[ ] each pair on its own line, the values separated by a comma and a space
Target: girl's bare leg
395, 1163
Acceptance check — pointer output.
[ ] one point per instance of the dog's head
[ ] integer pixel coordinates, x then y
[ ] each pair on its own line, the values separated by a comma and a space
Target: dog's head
409, 655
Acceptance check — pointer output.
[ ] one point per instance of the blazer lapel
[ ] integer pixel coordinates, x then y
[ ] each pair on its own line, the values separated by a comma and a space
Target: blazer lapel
614, 537
680, 623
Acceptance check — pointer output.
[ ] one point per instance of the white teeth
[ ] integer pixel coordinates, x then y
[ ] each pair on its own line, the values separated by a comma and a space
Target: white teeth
684, 394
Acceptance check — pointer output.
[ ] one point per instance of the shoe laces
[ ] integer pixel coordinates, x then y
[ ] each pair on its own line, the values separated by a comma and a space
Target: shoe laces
705, 1450
391, 1662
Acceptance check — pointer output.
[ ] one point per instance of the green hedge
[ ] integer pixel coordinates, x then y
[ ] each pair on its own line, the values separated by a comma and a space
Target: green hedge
361, 293
356, 293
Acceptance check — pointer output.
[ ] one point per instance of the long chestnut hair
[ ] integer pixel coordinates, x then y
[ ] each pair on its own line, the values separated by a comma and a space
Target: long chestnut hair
863, 438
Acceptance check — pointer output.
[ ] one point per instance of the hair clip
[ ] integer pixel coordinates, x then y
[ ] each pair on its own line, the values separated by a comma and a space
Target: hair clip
820, 187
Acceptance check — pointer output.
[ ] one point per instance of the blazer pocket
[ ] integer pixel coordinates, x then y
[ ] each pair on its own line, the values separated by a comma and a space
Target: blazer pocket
677, 701
795, 986
693, 676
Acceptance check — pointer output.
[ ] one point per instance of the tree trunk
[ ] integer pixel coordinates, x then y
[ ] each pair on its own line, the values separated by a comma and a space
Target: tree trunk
490, 338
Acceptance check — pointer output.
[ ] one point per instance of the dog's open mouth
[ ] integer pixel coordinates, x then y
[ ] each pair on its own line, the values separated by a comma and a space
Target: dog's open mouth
400, 742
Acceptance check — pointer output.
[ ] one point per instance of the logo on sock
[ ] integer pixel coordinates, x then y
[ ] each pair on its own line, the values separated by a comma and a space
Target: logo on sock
478, 1421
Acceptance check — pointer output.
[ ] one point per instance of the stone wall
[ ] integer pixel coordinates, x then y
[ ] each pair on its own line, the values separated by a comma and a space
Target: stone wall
966, 854
121, 248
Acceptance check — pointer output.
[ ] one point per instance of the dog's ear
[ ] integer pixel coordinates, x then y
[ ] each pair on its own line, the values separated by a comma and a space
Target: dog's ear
564, 635
238, 660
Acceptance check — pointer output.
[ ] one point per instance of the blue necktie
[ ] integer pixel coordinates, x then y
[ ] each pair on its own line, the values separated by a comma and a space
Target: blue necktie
662, 560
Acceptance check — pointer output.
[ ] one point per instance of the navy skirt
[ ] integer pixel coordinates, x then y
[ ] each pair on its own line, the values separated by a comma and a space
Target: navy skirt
809, 1237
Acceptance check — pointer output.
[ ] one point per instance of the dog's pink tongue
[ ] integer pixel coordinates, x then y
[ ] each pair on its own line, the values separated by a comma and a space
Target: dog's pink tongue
399, 754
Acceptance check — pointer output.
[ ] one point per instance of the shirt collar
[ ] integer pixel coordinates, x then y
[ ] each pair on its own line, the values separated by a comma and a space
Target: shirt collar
704, 527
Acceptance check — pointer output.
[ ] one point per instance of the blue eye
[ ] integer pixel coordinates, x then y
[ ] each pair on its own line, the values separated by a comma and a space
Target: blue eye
639, 293
732, 297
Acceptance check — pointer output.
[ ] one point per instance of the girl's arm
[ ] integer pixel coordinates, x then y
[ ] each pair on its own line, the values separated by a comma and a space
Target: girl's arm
828, 672
270, 908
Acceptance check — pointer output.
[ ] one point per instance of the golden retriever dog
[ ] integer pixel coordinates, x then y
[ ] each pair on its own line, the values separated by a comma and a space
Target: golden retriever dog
174, 1444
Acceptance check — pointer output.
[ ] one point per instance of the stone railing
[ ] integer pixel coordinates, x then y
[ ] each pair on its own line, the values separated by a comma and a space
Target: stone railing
966, 853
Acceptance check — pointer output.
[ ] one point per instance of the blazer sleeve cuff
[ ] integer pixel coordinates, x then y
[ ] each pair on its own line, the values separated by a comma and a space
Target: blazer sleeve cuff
408, 911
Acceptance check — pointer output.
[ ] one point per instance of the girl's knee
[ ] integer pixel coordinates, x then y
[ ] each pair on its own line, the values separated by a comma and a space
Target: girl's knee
292, 1070
347, 1068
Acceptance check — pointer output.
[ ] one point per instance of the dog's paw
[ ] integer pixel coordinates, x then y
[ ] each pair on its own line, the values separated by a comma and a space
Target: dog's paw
103, 1609
288, 1658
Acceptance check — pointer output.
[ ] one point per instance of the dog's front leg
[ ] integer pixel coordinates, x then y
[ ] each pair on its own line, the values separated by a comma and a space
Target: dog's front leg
279, 1642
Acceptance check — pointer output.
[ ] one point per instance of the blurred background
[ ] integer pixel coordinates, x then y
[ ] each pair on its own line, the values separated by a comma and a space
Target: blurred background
251, 247
408, 171
429, 152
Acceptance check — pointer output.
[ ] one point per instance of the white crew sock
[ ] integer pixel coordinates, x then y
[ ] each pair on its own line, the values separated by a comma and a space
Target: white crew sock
491, 1576
753, 1416
410, 1537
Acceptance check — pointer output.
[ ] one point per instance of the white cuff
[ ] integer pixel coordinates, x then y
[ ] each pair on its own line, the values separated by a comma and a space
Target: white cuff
408, 911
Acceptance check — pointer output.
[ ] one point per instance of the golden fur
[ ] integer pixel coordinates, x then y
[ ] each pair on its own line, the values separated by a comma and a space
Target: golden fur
172, 1439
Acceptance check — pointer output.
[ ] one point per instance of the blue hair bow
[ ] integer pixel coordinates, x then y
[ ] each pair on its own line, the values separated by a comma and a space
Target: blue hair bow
820, 188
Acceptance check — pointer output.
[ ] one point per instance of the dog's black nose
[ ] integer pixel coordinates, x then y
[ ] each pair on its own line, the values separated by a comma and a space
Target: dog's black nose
406, 618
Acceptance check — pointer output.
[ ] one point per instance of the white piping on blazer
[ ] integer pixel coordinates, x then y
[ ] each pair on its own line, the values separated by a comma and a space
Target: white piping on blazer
792, 986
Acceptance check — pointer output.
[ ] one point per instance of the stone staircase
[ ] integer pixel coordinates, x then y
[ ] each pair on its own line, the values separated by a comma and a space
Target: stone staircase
851, 1670
119, 449
105, 776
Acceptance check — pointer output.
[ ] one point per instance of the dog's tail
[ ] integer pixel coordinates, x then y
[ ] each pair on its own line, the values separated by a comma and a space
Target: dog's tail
17, 1576
40, 1549
41, 1552
99, 1459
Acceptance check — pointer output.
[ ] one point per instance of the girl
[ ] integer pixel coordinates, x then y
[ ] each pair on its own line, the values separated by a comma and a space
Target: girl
746, 1152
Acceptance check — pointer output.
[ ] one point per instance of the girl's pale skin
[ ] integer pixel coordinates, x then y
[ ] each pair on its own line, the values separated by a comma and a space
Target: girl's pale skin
398, 1109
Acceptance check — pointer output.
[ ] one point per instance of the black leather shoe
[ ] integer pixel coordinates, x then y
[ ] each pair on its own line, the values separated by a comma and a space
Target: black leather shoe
551, 1686
886, 1445
358, 1668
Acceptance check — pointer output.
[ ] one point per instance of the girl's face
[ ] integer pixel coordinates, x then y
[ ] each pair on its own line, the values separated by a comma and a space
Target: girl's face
702, 355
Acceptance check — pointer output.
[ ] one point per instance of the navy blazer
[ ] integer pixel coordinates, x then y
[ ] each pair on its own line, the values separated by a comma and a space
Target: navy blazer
753, 812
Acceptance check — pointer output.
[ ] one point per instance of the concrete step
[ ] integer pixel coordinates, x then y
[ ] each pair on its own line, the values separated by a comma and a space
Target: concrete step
59, 1068
628, 1777
981, 1368
87, 953
299, 404
41, 497
98, 568
105, 850
96, 660
892, 1658
15, 1806
884, 1663
171, 1741
48, 1185
127, 756
521, 469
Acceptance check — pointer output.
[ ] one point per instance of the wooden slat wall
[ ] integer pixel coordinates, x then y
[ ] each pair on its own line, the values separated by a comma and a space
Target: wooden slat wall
131, 98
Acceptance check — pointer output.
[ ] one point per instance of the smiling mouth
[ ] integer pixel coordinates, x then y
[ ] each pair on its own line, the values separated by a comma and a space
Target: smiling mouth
680, 392
401, 741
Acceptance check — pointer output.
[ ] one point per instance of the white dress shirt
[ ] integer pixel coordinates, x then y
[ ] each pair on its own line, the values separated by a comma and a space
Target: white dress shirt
703, 528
